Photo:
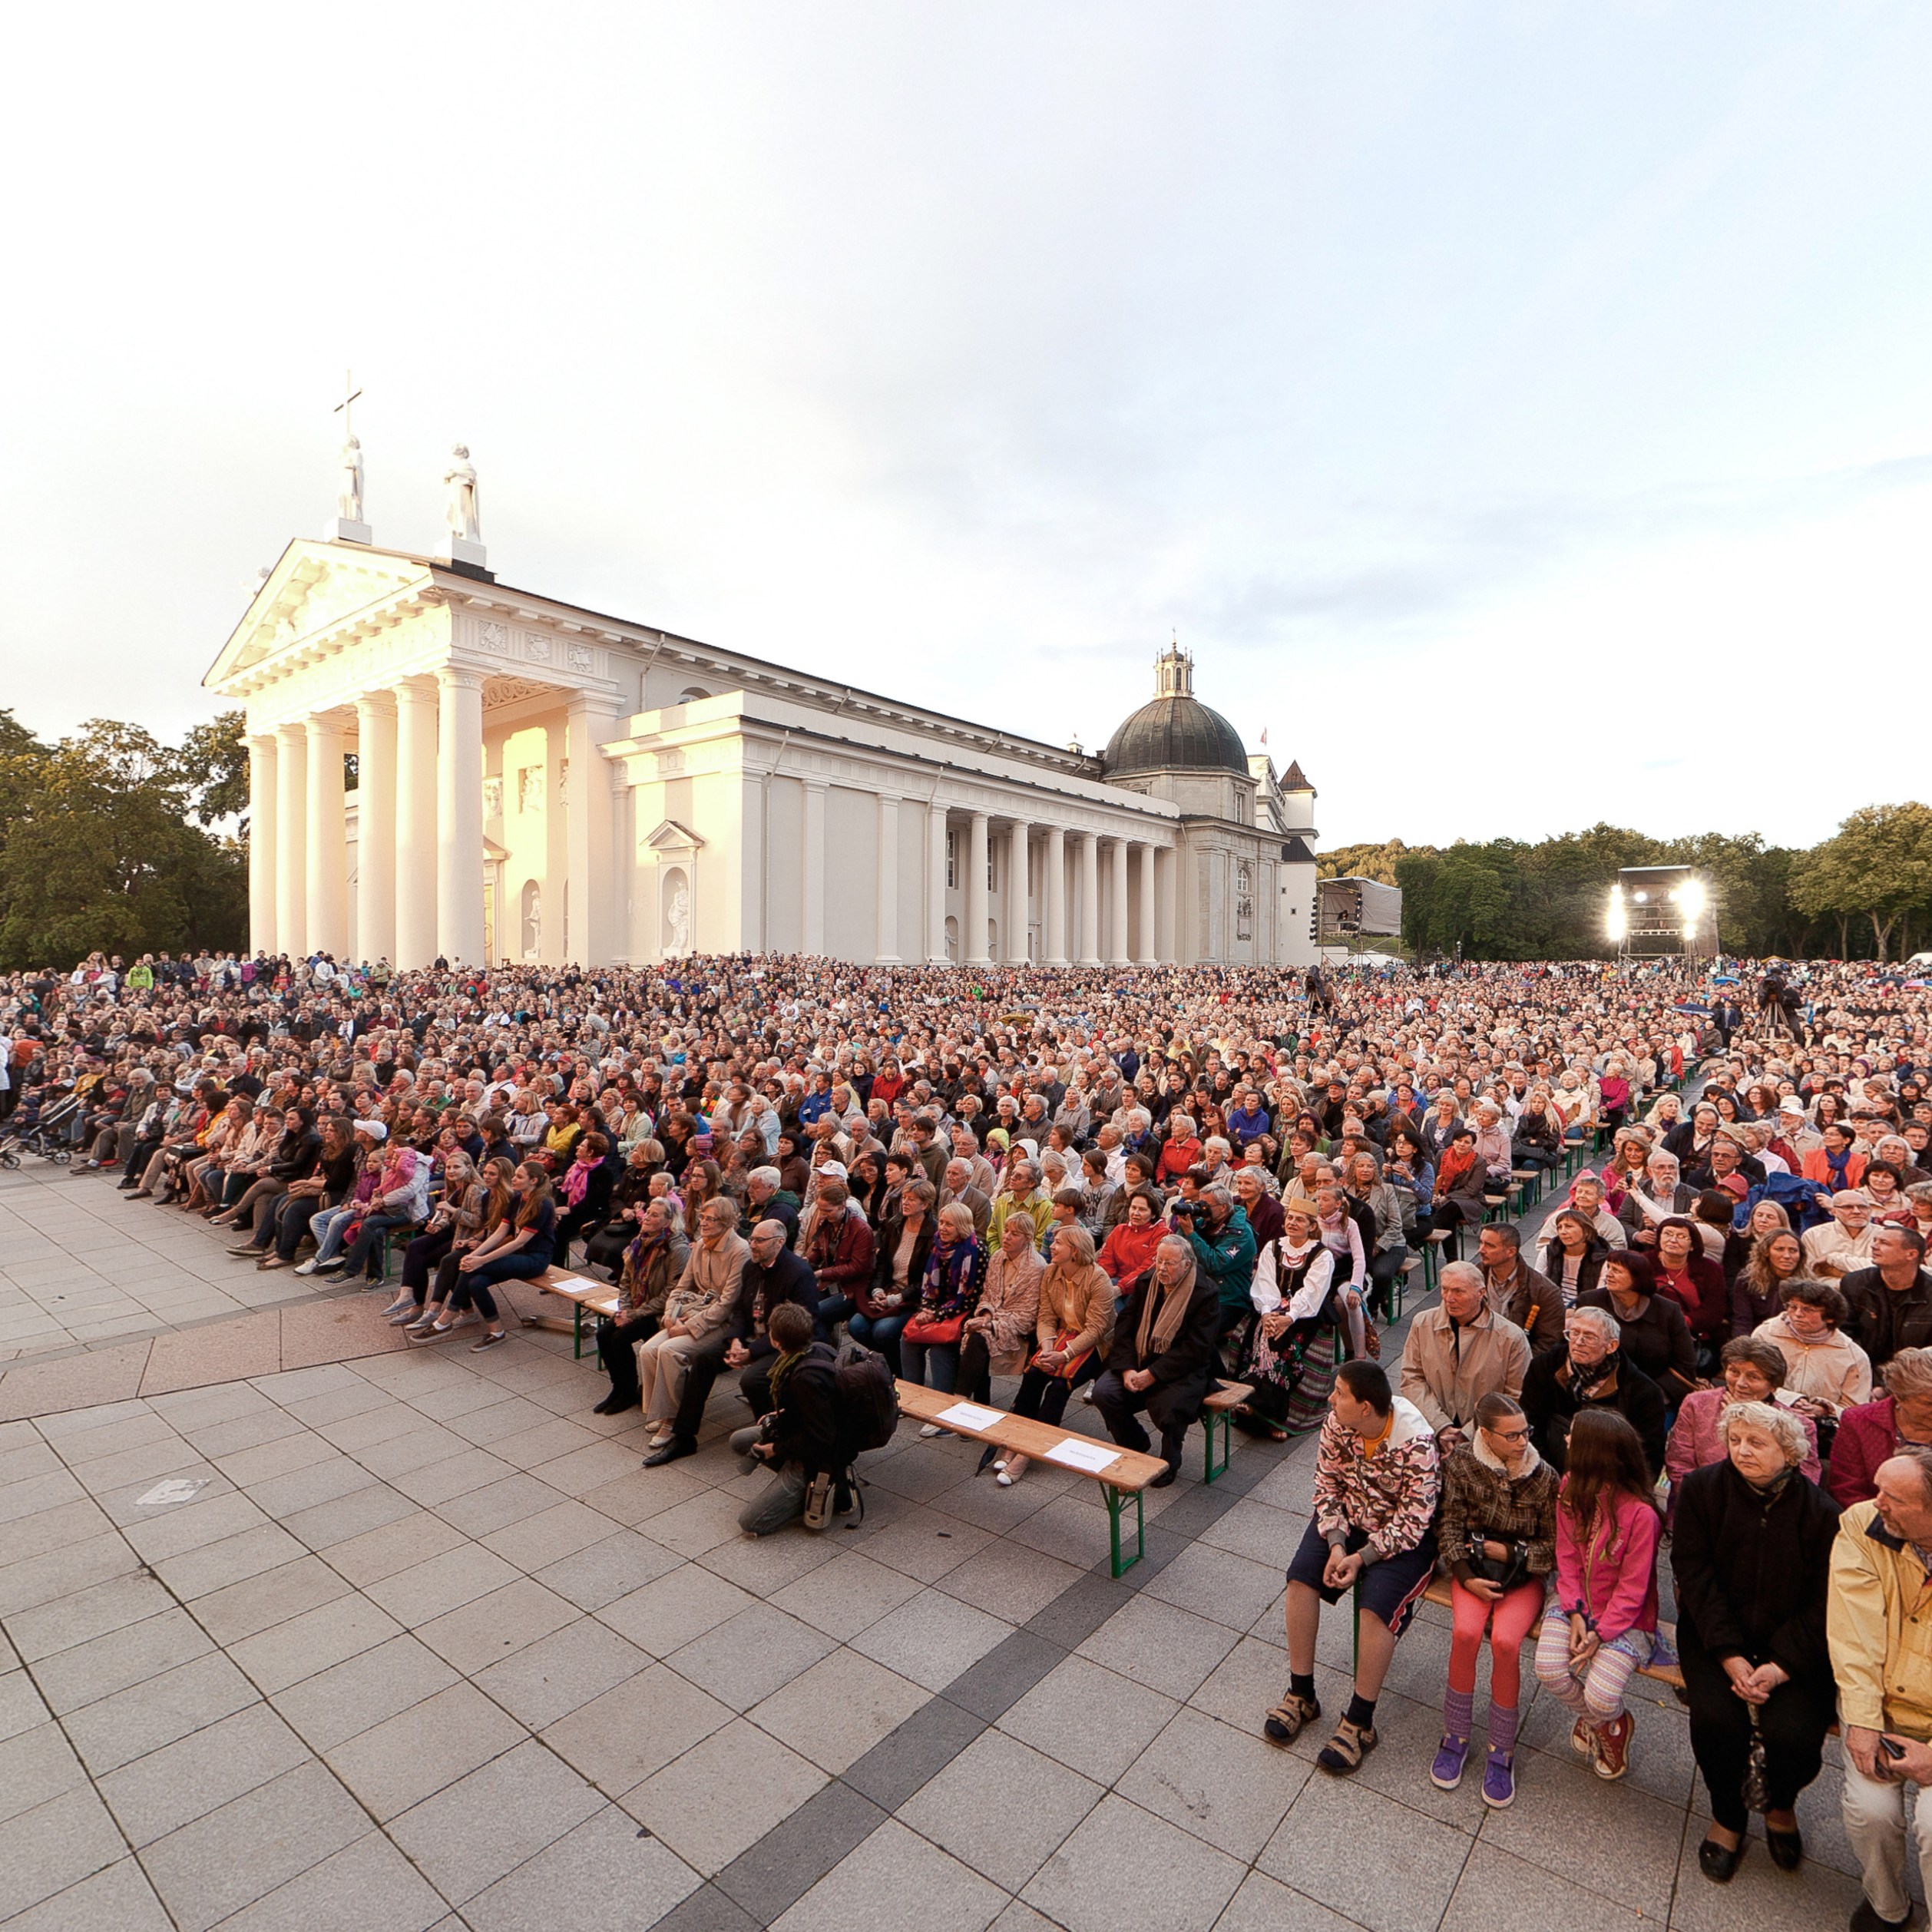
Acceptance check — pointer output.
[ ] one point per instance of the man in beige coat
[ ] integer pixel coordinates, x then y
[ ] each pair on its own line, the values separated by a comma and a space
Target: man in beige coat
1460, 1352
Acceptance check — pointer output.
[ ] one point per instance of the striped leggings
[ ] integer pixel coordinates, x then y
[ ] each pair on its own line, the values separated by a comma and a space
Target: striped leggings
1596, 1693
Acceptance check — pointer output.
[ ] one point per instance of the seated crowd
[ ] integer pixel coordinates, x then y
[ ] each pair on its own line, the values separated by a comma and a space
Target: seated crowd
1133, 1187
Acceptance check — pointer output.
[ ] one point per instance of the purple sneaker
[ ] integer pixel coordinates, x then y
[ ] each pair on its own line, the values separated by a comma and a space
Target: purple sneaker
1499, 1780
1446, 1773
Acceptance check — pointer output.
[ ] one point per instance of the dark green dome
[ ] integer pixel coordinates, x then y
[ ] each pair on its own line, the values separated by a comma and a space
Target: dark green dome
1175, 731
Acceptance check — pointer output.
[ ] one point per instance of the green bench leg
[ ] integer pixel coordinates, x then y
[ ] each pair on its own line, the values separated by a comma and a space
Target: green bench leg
1210, 1468
576, 1331
1115, 1503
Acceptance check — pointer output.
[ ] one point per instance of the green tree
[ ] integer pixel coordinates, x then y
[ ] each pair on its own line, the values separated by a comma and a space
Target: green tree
210, 765
1878, 865
96, 852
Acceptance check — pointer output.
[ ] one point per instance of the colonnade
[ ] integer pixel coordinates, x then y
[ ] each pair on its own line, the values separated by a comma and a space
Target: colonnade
1071, 926
419, 837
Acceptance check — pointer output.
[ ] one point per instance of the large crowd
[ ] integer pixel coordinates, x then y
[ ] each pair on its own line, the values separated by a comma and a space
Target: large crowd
1712, 1370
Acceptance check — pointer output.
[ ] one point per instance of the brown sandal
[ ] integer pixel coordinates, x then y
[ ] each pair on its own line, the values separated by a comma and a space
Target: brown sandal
1283, 1724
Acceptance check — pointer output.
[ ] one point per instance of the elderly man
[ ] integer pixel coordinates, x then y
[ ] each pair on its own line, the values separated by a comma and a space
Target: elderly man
1882, 1656
1661, 1195
1164, 1355
1891, 1300
1517, 1291
1585, 1370
1224, 1246
766, 1198
956, 1184
1378, 1478
1020, 1195
1458, 1352
1842, 1246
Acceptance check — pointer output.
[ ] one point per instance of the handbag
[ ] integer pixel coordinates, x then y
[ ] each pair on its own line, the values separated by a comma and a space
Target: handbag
923, 1334
1074, 1363
1506, 1573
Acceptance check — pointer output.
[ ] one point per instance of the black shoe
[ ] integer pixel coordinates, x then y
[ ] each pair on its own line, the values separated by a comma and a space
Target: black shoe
1867, 1918
1719, 1863
608, 1406
1787, 1848
675, 1447
986, 1461
1166, 1476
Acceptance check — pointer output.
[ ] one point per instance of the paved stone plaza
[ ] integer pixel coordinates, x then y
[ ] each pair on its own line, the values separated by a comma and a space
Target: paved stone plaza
426, 1648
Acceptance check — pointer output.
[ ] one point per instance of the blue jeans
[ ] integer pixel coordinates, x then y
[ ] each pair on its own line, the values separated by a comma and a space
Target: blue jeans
880, 1332
944, 1356
475, 1286
330, 1227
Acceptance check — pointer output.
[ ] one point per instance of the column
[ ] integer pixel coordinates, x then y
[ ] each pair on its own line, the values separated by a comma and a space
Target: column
416, 824
811, 866
375, 826
936, 882
1018, 838
459, 817
1053, 900
556, 901
328, 864
1143, 923
751, 846
291, 840
593, 923
261, 842
1167, 872
1117, 953
886, 930
1089, 894
973, 951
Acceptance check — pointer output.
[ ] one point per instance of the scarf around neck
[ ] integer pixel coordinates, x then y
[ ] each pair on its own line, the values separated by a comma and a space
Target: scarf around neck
1161, 1315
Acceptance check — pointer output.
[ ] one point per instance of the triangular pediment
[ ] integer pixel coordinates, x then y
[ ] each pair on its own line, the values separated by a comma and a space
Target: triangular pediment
672, 837
314, 587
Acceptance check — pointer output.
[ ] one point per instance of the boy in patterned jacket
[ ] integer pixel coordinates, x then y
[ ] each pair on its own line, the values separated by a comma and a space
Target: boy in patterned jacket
1377, 1483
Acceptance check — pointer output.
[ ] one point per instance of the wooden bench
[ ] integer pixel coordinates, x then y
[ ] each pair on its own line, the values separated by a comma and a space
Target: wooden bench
582, 1292
1398, 1289
1530, 1180
1665, 1673
1128, 1474
1220, 1406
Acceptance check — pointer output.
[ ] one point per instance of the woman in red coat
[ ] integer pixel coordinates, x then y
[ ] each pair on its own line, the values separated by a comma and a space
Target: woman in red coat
1874, 1432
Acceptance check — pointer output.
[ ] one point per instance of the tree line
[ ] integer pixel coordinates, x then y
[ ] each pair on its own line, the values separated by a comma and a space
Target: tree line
1865, 892
112, 842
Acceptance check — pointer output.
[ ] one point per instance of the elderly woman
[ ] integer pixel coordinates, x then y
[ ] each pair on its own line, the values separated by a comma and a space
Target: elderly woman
1128, 1251
1656, 1338
949, 1292
1751, 1551
652, 1265
704, 1302
1753, 1371
1289, 1354
998, 1333
1367, 1189
1071, 1333
1824, 1367
1875, 1431
1163, 1354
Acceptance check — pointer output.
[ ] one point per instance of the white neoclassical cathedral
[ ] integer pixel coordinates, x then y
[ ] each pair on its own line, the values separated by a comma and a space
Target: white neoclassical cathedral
535, 781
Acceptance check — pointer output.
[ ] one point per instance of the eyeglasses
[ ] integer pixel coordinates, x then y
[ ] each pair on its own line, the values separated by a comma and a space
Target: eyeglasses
1510, 1435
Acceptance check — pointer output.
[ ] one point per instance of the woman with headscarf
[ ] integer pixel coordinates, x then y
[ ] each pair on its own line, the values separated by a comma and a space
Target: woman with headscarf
1164, 1355
1288, 1361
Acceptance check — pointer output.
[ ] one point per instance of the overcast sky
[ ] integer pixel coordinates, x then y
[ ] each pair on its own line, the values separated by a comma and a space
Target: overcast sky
1522, 412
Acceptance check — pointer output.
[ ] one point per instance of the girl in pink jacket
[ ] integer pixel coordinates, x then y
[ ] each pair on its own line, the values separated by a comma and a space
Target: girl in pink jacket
1601, 1624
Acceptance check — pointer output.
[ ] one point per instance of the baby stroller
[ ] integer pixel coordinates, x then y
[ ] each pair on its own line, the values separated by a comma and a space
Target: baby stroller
52, 1135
